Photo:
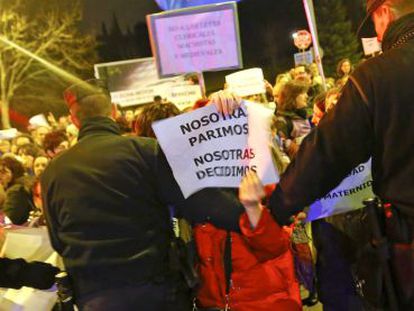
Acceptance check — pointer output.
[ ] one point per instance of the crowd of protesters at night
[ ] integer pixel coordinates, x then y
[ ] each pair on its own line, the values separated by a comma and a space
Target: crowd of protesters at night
300, 101
298, 94
99, 181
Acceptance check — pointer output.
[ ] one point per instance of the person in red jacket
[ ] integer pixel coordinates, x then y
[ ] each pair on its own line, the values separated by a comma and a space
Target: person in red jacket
260, 274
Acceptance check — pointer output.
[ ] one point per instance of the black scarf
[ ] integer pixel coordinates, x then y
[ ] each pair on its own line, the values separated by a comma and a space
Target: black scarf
399, 32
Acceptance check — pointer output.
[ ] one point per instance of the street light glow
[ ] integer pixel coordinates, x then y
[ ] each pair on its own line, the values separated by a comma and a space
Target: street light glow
58, 71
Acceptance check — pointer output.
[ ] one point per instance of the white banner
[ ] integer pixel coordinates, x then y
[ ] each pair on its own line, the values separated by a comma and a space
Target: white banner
348, 196
184, 96
135, 82
246, 82
207, 149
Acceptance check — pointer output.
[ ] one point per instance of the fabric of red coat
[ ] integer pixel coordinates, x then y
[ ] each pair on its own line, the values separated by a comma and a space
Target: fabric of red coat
263, 276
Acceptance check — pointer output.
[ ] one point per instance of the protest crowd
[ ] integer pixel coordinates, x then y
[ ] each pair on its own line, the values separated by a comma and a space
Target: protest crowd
98, 180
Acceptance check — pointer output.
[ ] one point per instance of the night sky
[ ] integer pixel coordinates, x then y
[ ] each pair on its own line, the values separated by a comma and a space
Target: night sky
128, 12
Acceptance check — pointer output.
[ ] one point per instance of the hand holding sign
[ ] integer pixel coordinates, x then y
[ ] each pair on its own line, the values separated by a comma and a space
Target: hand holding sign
206, 148
225, 101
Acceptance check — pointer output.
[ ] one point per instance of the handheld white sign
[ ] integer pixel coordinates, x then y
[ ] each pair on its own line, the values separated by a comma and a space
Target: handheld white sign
38, 121
246, 82
135, 82
348, 196
207, 149
8, 134
184, 96
371, 45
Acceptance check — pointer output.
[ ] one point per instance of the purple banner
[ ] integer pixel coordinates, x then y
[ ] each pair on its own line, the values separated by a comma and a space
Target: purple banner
196, 39
179, 4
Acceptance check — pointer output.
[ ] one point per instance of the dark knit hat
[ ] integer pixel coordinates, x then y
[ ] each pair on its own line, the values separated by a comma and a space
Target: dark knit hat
76, 92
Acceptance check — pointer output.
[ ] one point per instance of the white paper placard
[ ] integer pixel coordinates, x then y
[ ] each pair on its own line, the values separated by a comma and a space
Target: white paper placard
8, 134
184, 96
207, 149
371, 45
28, 243
246, 82
38, 121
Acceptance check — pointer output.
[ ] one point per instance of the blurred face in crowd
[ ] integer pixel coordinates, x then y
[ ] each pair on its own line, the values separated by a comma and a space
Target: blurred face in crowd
63, 122
5, 176
314, 69
64, 145
129, 116
72, 132
40, 134
39, 165
20, 141
301, 74
346, 67
302, 100
331, 101
4, 146
26, 159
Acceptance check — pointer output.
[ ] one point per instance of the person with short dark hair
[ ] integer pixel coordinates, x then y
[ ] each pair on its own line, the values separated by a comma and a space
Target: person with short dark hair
18, 202
151, 113
55, 142
106, 205
157, 99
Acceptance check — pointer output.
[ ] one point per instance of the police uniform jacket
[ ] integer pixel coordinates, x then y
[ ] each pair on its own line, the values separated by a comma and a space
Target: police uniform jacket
373, 118
106, 204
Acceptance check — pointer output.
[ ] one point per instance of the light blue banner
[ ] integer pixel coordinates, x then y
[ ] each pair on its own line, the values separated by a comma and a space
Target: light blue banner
179, 4
348, 196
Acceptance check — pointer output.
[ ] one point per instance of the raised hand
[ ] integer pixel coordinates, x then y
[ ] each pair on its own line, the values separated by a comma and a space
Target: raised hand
251, 192
225, 101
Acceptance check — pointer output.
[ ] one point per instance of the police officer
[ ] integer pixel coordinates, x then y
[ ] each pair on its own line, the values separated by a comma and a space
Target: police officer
106, 203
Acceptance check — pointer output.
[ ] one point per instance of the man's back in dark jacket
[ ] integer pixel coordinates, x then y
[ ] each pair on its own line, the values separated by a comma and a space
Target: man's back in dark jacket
106, 201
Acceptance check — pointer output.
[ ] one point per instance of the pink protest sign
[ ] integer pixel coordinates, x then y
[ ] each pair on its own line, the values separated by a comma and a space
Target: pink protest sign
196, 40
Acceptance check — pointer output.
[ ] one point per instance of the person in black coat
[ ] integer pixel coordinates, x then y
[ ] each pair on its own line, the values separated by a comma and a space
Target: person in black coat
106, 202
18, 201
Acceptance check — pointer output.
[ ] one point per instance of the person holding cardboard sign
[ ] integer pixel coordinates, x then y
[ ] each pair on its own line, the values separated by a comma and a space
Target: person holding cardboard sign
249, 270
